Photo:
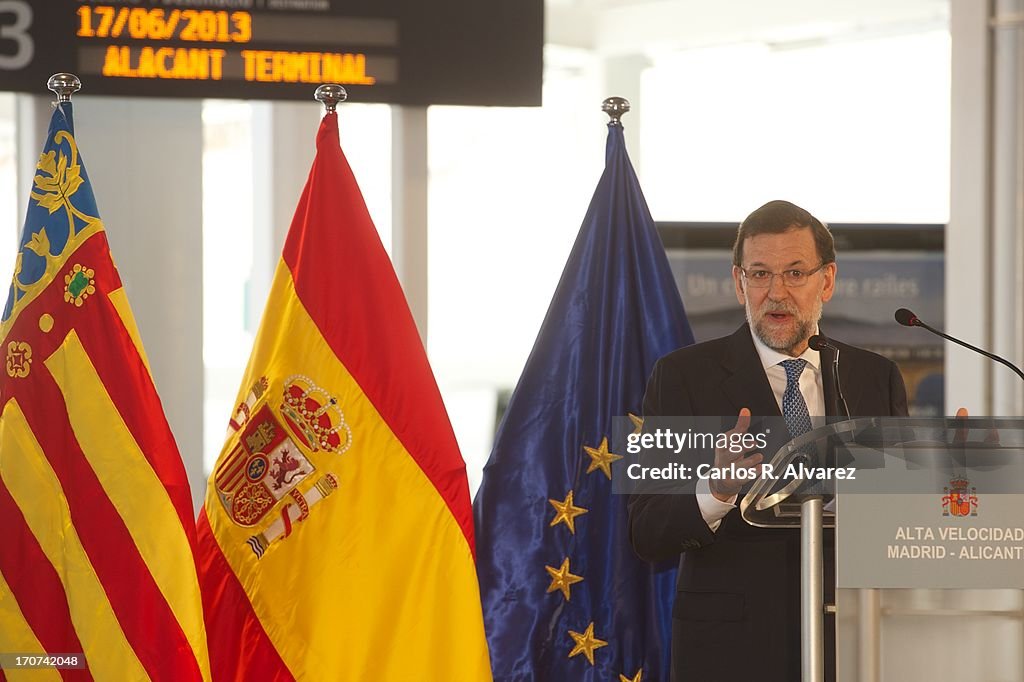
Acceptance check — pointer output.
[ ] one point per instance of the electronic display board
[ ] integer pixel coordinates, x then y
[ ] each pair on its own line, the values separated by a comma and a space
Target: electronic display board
476, 52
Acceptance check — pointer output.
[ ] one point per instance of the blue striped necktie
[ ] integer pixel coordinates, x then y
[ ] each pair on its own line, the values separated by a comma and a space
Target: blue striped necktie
794, 407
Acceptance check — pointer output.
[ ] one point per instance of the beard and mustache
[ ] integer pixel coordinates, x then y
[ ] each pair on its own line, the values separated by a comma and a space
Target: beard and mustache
784, 338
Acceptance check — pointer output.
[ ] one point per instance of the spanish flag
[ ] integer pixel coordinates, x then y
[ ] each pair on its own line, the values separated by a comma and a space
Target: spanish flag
336, 540
96, 516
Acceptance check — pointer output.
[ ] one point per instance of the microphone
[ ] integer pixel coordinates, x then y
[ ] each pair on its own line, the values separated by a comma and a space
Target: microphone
909, 319
819, 343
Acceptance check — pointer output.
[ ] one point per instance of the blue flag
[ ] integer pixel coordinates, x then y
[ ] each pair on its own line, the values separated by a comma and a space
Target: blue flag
564, 596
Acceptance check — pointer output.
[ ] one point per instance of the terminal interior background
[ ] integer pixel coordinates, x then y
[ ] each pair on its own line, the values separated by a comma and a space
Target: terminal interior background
863, 111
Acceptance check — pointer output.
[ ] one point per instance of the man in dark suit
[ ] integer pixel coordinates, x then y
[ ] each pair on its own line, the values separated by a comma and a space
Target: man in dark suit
736, 614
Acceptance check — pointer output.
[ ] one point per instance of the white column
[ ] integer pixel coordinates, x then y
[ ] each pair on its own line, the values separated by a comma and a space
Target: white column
985, 239
1008, 204
144, 157
32, 119
969, 238
409, 207
283, 147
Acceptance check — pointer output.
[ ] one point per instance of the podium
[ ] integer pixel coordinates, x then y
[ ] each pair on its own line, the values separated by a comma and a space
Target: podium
929, 526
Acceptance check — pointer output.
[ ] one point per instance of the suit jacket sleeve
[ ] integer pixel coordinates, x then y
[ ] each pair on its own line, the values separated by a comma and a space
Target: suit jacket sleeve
661, 526
897, 392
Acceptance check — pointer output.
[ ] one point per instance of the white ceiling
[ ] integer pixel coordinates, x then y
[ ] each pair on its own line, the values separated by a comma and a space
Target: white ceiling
650, 27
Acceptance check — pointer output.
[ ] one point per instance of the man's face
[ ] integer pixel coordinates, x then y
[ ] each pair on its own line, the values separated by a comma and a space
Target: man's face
784, 317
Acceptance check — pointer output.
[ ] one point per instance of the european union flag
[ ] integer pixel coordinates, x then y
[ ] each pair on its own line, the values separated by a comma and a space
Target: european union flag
564, 596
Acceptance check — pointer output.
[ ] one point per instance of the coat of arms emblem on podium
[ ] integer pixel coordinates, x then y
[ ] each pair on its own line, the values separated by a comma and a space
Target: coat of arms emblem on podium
960, 498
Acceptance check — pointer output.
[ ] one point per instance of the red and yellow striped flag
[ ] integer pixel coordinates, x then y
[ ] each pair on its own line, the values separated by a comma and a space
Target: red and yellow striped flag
96, 516
336, 540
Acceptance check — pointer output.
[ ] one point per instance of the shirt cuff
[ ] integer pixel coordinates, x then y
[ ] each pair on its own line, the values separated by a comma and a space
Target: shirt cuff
711, 508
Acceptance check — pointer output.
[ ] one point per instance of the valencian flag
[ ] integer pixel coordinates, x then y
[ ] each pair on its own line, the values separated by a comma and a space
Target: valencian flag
564, 596
337, 534
95, 510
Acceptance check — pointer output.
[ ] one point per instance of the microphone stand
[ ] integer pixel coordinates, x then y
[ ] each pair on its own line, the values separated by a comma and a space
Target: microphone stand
812, 548
819, 343
840, 400
912, 320
992, 356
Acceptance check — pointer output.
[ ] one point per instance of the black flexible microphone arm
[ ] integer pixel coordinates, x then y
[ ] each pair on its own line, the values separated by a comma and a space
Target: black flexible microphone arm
909, 319
818, 343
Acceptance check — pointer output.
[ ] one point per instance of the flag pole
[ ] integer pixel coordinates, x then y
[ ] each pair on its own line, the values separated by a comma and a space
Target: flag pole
615, 107
64, 85
330, 95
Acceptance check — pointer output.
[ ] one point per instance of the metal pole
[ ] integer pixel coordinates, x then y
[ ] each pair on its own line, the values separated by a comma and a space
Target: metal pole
812, 603
869, 635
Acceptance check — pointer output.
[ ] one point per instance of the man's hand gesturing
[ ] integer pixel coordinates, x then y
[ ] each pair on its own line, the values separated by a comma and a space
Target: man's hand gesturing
723, 486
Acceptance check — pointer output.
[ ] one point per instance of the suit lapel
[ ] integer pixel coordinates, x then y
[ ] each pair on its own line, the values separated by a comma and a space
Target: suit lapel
747, 386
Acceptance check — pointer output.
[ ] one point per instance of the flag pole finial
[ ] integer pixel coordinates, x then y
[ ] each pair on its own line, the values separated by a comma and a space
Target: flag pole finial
615, 107
330, 95
64, 85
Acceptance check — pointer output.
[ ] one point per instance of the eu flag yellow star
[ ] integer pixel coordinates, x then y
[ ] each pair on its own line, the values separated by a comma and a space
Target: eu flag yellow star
638, 425
601, 459
586, 643
639, 677
561, 578
566, 512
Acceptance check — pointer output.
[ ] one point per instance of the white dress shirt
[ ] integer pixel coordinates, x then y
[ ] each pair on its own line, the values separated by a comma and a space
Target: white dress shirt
712, 508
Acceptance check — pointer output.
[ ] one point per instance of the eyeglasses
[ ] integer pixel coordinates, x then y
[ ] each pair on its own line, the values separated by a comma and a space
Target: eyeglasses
762, 279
